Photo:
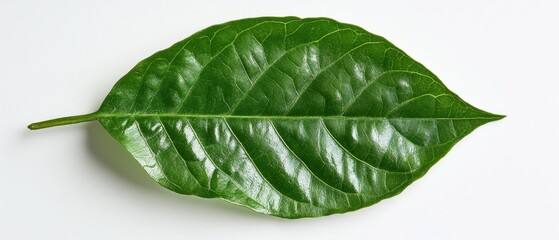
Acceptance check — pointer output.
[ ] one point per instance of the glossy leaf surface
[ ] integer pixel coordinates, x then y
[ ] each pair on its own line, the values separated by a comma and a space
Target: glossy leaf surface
290, 117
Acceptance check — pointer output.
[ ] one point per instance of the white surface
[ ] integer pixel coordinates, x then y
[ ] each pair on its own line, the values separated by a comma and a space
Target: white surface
62, 57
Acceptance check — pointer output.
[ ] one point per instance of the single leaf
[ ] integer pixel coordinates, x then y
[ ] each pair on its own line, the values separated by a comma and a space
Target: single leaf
286, 116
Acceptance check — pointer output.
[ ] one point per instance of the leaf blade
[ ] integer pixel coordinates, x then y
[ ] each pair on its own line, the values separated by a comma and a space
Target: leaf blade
290, 117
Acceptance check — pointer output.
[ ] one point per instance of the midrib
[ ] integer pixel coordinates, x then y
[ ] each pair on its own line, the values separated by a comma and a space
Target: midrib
190, 115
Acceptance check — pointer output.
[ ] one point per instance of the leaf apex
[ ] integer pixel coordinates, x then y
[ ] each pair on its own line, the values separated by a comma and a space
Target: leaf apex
498, 117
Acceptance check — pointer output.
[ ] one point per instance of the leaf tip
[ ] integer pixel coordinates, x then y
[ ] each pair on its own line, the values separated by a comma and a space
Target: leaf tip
499, 116
495, 117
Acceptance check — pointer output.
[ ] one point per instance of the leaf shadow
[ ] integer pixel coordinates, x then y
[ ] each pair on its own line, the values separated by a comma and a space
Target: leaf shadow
108, 154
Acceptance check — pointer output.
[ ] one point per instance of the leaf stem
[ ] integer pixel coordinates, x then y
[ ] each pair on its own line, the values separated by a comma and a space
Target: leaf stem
63, 121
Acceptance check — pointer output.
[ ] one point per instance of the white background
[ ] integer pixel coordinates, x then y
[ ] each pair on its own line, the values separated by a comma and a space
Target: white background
61, 58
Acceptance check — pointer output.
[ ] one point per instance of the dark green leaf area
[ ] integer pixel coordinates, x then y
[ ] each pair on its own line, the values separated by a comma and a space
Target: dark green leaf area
290, 117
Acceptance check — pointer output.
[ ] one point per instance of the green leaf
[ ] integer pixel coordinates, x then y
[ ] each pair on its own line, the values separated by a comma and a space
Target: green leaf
286, 116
